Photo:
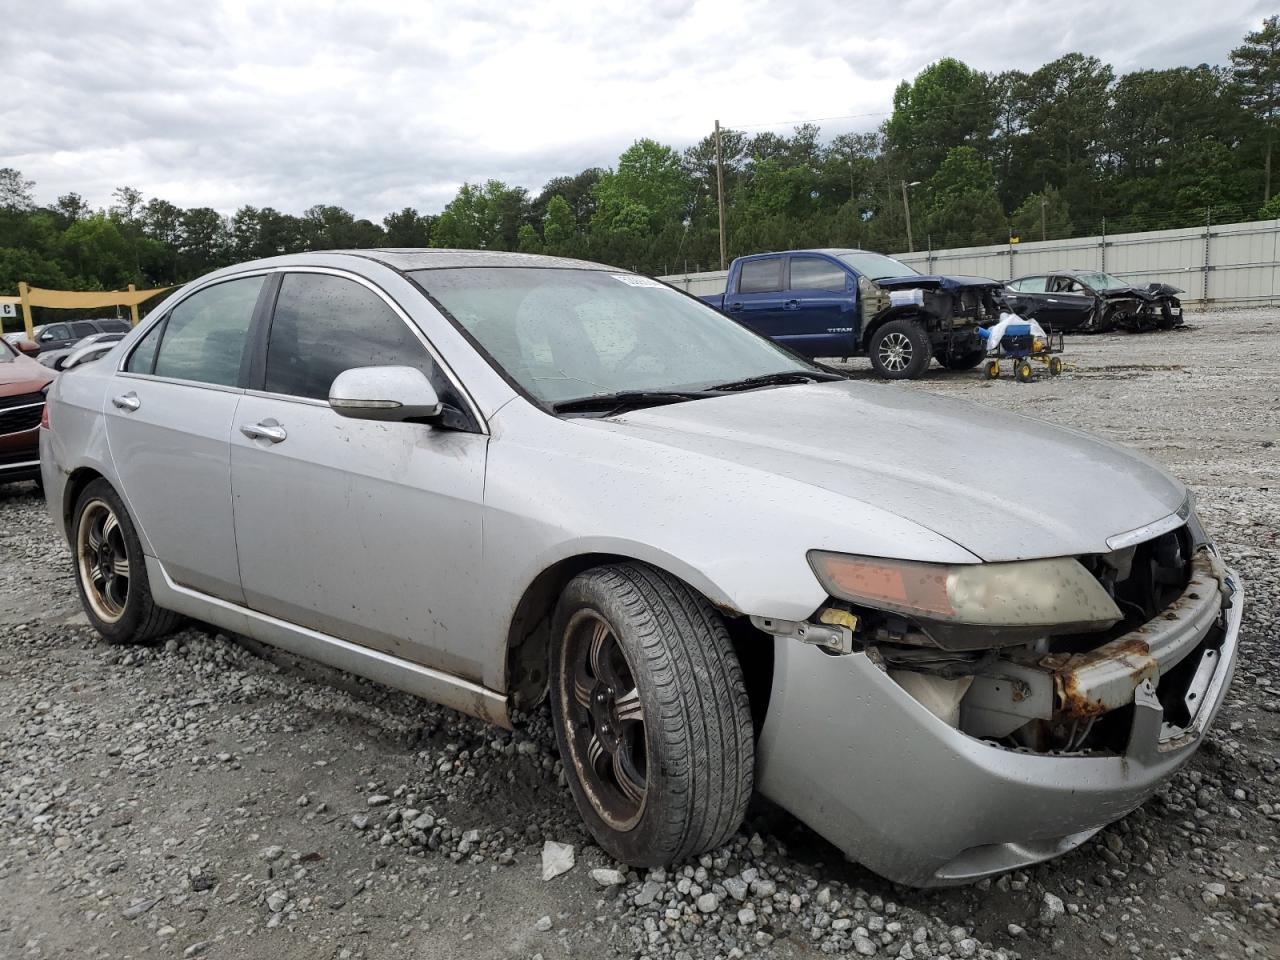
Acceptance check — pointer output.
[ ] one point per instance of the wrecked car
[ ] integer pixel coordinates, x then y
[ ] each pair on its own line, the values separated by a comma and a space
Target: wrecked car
846, 303
496, 480
1094, 302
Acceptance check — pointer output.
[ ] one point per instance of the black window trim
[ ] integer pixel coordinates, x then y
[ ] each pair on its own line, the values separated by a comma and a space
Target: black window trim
260, 333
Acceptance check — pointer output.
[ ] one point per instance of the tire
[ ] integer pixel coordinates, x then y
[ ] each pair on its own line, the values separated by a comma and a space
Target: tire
1166, 320
1023, 371
103, 539
961, 361
1107, 321
900, 350
993, 369
651, 715
1055, 366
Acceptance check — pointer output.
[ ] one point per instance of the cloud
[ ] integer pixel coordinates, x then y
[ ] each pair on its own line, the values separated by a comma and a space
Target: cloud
375, 107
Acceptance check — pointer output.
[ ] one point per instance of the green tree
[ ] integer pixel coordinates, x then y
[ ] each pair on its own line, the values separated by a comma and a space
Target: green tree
649, 189
1042, 216
15, 191
962, 207
484, 217
97, 255
559, 229
408, 228
1256, 68
947, 105
529, 241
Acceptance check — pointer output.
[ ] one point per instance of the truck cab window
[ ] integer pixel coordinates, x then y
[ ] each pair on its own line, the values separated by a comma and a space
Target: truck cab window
761, 276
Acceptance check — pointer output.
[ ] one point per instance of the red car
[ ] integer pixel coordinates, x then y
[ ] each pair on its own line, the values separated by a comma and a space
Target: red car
22, 383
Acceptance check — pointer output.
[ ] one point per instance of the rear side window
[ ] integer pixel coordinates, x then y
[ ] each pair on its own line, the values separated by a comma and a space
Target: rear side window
1031, 285
83, 328
761, 276
323, 325
114, 326
205, 334
814, 273
143, 358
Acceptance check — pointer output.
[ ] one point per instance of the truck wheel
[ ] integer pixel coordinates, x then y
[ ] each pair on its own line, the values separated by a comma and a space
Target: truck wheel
961, 361
900, 350
651, 715
111, 574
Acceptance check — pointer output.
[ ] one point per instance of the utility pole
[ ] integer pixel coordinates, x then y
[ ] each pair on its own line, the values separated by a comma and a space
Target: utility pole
1044, 232
906, 207
720, 195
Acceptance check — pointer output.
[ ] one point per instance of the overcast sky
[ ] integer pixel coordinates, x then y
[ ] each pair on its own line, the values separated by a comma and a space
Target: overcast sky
380, 106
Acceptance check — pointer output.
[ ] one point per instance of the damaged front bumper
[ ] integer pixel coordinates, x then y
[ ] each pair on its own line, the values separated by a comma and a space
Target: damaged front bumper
908, 794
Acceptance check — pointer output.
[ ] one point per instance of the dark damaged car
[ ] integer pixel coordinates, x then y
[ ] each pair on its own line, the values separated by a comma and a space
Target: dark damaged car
845, 303
1094, 302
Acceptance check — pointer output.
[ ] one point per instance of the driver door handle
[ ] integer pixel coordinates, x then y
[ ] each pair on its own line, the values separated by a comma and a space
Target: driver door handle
735, 306
127, 401
266, 430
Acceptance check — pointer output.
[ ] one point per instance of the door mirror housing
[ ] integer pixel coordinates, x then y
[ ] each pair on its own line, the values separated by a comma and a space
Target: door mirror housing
384, 393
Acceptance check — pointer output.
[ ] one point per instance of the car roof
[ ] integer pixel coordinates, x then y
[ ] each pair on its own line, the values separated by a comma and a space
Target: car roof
417, 258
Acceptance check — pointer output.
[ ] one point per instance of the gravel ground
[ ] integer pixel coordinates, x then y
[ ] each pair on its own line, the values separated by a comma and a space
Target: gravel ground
206, 798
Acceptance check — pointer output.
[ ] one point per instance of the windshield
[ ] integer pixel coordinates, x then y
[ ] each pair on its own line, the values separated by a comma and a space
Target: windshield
876, 266
1101, 281
568, 334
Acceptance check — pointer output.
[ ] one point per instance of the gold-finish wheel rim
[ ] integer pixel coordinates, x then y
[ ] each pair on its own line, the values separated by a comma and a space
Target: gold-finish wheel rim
102, 561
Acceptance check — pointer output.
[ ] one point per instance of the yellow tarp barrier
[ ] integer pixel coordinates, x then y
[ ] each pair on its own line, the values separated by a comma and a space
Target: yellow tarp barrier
78, 300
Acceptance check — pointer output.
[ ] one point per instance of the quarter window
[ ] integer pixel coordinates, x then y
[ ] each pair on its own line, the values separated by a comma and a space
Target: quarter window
324, 325
205, 335
814, 273
761, 276
143, 358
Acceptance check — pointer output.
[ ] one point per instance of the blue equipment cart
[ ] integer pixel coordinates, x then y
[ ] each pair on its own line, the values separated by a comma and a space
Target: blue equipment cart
1021, 344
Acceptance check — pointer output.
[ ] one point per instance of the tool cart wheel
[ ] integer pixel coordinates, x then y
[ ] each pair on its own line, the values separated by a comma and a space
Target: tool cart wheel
1023, 371
1055, 366
993, 369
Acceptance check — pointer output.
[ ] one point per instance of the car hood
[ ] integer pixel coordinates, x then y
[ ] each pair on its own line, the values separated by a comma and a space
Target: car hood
935, 283
1003, 486
22, 375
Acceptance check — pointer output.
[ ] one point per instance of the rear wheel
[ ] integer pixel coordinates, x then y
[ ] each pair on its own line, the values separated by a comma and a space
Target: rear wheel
111, 575
1055, 366
961, 360
993, 369
651, 714
1023, 371
900, 350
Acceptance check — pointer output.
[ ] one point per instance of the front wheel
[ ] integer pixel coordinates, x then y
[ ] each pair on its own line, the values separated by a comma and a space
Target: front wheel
111, 575
900, 350
651, 715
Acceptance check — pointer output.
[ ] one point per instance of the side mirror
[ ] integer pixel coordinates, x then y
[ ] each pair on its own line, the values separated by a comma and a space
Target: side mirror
29, 347
46, 336
384, 393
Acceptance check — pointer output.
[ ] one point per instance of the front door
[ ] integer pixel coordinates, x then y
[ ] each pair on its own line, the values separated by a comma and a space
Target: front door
169, 413
820, 311
367, 531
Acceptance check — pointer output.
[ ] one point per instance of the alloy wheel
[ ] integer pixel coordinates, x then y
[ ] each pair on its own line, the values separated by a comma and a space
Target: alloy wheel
895, 352
605, 719
102, 560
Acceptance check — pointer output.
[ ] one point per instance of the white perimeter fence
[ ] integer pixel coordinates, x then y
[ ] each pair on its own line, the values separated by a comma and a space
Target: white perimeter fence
1228, 263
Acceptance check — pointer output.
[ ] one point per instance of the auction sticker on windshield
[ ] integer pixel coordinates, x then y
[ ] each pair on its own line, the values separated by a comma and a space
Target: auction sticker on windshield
631, 280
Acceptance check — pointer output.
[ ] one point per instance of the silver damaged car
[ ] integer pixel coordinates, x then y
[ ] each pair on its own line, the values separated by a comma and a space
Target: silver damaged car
491, 478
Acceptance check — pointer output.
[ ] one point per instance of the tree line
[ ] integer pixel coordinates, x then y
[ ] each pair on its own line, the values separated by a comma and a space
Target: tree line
1068, 149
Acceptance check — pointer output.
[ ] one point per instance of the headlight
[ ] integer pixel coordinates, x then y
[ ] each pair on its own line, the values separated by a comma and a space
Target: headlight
963, 606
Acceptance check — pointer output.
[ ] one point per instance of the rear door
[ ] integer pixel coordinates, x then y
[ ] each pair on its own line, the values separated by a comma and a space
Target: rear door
370, 532
760, 297
1028, 296
819, 308
169, 413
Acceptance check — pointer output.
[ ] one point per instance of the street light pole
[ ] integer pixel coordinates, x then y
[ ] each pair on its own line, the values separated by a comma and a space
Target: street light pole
720, 195
906, 206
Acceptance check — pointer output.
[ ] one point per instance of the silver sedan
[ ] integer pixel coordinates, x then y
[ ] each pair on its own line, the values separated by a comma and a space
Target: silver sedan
490, 479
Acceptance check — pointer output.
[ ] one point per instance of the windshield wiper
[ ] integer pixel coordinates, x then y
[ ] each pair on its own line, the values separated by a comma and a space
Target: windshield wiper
612, 402
777, 379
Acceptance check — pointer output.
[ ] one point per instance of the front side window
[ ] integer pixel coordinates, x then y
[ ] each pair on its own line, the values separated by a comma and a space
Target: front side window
814, 273
760, 276
323, 325
58, 331
568, 334
204, 337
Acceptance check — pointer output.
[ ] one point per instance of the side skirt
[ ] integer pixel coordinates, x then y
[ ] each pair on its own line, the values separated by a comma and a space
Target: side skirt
442, 688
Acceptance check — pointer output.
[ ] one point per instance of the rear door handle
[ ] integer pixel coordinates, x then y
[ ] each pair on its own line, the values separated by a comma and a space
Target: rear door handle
127, 401
266, 430
791, 305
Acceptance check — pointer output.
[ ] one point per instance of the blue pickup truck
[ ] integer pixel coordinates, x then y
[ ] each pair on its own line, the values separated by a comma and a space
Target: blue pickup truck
845, 303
